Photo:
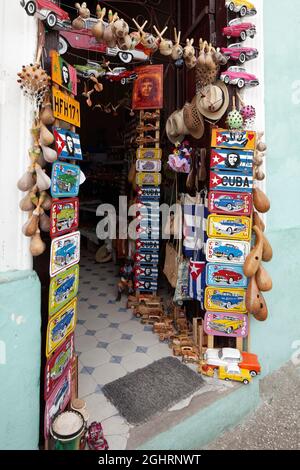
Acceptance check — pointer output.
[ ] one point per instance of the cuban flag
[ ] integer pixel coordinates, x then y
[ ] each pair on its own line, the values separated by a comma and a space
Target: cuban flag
197, 273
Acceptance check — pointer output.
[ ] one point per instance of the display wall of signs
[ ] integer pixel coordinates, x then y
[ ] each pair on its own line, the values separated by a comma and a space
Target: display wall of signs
58, 401
65, 107
62, 73
65, 252
67, 144
232, 325
65, 180
63, 288
58, 364
243, 140
61, 325
64, 216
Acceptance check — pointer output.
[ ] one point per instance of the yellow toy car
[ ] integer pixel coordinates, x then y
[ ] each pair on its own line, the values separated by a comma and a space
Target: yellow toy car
243, 7
233, 372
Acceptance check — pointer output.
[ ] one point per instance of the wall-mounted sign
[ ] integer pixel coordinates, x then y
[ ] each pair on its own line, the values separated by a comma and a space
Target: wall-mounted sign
58, 364
148, 285
63, 288
148, 179
58, 401
64, 216
148, 165
236, 161
232, 325
65, 107
243, 140
149, 154
222, 202
67, 144
60, 326
227, 251
220, 299
230, 227
226, 275
65, 180
65, 252
229, 181
63, 74
148, 89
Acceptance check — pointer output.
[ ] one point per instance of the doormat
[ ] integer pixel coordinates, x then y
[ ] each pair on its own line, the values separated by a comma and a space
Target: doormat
144, 393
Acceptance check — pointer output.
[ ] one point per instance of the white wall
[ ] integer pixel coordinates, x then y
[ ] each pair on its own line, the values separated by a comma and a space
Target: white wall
18, 35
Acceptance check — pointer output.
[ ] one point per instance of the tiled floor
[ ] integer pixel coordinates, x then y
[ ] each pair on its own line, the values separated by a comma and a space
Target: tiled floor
111, 343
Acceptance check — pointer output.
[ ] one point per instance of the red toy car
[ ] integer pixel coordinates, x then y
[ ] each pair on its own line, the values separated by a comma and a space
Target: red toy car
47, 10
239, 53
239, 76
250, 362
237, 29
227, 276
120, 74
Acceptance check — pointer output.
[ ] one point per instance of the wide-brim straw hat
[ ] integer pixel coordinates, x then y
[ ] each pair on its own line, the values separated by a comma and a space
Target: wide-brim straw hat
175, 127
213, 101
193, 120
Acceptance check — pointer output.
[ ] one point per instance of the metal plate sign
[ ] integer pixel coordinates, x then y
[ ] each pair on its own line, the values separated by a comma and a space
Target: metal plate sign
65, 107
149, 154
227, 251
225, 181
243, 140
61, 325
225, 275
58, 400
153, 166
63, 288
229, 227
65, 180
62, 73
57, 365
67, 144
225, 300
148, 179
221, 202
232, 325
64, 216
236, 161
65, 252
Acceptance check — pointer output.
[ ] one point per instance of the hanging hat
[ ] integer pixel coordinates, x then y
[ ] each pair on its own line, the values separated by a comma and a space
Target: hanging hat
193, 120
213, 101
175, 127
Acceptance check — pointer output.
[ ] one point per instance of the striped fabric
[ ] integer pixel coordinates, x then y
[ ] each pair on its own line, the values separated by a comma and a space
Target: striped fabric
195, 225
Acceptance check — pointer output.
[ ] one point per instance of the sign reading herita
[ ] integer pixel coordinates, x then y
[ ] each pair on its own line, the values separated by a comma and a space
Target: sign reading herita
65, 107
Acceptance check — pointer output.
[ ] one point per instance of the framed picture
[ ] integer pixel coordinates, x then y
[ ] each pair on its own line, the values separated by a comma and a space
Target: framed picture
148, 90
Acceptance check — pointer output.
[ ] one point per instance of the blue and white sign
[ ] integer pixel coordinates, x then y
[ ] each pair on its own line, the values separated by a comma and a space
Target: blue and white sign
67, 144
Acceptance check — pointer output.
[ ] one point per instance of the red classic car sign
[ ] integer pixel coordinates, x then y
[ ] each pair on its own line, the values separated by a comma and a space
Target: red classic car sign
58, 364
221, 202
64, 216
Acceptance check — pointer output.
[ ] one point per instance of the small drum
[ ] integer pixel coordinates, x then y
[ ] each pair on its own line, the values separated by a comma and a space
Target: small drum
67, 429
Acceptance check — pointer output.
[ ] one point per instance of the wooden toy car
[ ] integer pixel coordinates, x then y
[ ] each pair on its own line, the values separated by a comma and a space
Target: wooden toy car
179, 342
162, 325
143, 299
243, 7
190, 354
146, 310
168, 334
48, 11
233, 372
150, 319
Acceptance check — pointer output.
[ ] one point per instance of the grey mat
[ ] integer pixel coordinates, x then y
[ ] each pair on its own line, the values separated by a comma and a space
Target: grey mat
141, 395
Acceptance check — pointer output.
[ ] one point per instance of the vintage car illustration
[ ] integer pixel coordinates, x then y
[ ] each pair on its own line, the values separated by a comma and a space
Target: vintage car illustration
226, 324
229, 203
122, 75
239, 76
243, 7
62, 325
225, 275
228, 251
60, 364
48, 11
65, 288
233, 372
91, 69
65, 217
67, 181
226, 356
239, 53
226, 299
66, 253
230, 227
237, 29
59, 399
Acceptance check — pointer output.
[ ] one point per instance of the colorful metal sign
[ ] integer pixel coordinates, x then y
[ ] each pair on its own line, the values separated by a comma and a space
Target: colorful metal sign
236, 161
153, 166
60, 326
147, 245
64, 216
65, 180
243, 140
225, 300
147, 258
57, 365
62, 73
67, 144
224, 275
229, 227
231, 325
58, 401
225, 181
146, 271
148, 179
148, 193
63, 288
148, 285
149, 154
227, 251
65, 107
221, 202
65, 252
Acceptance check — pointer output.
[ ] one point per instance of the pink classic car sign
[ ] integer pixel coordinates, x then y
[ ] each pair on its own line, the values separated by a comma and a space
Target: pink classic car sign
232, 325
57, 364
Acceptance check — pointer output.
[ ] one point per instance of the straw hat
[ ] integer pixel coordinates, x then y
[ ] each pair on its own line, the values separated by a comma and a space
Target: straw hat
175, 127
213, 101
193, 120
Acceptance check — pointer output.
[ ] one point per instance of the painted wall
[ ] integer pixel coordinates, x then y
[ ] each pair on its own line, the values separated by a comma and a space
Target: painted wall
20, 352
279, 338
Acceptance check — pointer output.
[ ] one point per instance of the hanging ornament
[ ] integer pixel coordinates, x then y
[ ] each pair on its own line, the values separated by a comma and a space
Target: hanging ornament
234, 119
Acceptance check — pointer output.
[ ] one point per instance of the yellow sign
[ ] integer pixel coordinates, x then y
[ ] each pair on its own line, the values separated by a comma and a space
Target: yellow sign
65, 107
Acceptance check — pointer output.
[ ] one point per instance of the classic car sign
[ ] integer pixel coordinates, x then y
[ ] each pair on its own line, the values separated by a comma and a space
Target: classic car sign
65, 180
221, 202
62, 73
64, 216
225, 275
63, 288
61, 325
149, 154
65, 107
58, 364
230, 227
65, 252
225, 181
222, 299
57, 401
148, 179
232, 325
153, 166
67, 144
147, 245
227, 251
236, 161
243, 140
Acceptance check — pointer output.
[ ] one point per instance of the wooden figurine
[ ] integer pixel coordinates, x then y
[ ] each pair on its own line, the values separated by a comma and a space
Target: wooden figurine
83, 14
146, 39
99, 28
108, 36
177, 51
165, 45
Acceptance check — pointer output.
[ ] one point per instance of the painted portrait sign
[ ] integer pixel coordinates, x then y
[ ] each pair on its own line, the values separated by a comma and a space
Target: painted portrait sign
67, 144
148, 90
63, 74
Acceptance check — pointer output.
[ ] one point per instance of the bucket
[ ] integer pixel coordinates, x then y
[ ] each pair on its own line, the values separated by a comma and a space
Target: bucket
67, 430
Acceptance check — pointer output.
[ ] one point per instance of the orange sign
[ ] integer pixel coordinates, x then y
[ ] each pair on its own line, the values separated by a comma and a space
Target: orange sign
65, 107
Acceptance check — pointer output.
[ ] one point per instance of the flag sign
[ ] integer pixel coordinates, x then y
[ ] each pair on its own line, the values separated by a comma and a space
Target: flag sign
63, 74
244, 140
223, 181
235, 161
67, 144
197, 281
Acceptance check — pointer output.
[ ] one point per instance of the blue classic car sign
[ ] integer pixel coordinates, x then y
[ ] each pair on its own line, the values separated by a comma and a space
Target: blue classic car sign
236, 161
227, 251
224, 275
